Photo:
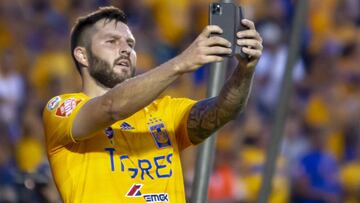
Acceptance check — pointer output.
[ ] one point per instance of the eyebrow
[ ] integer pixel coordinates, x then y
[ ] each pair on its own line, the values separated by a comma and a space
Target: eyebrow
110, 35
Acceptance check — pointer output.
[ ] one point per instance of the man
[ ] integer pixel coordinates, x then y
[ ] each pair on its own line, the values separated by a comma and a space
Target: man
114, 141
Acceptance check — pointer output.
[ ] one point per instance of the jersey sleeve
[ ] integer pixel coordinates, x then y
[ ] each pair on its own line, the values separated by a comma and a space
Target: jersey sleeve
181, 108
58, 117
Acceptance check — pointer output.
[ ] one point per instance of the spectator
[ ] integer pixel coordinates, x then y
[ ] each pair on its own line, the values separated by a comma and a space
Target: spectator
350, 179
7, 180
271, 68
11, 95
316, 178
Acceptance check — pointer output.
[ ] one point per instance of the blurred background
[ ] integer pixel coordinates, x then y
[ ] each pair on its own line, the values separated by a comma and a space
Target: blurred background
320, 153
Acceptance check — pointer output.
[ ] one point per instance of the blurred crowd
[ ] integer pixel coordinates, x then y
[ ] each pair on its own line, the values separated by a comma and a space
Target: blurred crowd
320, 154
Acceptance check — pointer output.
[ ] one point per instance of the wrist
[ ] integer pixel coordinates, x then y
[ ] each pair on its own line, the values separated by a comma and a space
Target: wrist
178, 65
246, 72
247, 66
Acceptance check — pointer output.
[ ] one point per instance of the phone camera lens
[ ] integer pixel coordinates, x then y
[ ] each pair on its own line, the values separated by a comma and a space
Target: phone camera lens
216, 9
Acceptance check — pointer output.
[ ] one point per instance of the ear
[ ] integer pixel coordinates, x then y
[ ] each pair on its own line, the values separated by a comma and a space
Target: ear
81, 56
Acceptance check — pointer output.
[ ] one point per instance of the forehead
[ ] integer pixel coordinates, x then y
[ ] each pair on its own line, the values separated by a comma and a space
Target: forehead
105, 28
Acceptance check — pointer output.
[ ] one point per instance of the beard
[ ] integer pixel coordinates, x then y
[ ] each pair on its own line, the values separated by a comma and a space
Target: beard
104, 73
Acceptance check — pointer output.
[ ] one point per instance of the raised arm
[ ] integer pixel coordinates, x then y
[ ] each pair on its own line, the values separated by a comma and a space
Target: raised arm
208, 115
134, 94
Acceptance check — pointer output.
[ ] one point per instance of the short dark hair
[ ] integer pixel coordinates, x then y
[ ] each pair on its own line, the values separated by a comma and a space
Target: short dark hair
82, 23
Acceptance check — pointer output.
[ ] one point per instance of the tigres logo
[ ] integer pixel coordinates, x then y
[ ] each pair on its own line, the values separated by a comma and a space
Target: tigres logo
158, 131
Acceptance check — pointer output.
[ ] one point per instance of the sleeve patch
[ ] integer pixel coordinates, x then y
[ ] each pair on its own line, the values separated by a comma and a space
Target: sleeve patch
54, 103
67, 107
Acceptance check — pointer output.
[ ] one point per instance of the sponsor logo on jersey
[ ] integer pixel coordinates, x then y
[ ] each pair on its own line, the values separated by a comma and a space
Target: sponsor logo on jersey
67, 107
159, 133
109, 132
134, 191
53, 103
159, 197
126, 126
152, 197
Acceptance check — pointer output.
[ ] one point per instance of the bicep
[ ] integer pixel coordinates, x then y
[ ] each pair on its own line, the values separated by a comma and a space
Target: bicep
93, 116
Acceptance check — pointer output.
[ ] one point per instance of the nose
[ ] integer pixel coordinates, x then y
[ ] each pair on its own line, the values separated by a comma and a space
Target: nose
125, 49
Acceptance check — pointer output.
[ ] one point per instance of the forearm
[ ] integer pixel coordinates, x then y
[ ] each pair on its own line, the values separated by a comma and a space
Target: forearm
235, 92
208, 115
134, 94
123, 100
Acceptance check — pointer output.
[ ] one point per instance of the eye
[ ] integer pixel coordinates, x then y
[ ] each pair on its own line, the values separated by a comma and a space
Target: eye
131, 44
111, 41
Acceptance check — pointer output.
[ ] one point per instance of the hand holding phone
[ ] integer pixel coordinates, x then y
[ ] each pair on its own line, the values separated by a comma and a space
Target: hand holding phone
228, 16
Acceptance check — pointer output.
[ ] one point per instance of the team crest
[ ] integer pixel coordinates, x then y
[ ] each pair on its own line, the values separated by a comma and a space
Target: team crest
53, 103
67, 107
159, 133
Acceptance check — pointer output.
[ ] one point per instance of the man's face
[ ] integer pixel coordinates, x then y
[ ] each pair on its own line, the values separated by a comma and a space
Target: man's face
112, 58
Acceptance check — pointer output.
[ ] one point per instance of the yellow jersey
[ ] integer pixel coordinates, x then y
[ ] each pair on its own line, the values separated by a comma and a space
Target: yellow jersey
134, 160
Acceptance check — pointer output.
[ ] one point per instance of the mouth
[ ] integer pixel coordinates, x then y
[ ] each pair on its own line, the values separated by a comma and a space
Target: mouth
123, 62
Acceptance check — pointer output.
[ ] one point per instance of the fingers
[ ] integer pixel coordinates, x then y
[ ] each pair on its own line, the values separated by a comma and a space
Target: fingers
210, 29
256, 44
211, 59
254, 53
250, 40
217, 50
249, 34
215, 40
252, 47
248, 23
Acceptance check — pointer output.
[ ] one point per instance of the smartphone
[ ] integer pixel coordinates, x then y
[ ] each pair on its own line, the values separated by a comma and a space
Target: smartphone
228, 16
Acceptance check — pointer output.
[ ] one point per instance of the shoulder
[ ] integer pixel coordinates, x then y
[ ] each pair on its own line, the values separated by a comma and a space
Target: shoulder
58, 116
176, 108
169, 99
67, 101
162, 100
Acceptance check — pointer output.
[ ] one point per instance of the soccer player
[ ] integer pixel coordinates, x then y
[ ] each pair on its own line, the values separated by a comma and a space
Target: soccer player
116, 141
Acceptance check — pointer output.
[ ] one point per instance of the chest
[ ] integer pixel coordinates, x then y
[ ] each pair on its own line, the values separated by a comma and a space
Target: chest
138, 136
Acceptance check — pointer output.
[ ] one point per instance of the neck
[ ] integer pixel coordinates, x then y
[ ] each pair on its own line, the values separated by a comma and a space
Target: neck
91, 87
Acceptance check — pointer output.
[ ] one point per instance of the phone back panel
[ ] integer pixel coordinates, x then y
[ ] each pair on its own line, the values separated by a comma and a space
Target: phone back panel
227, 16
